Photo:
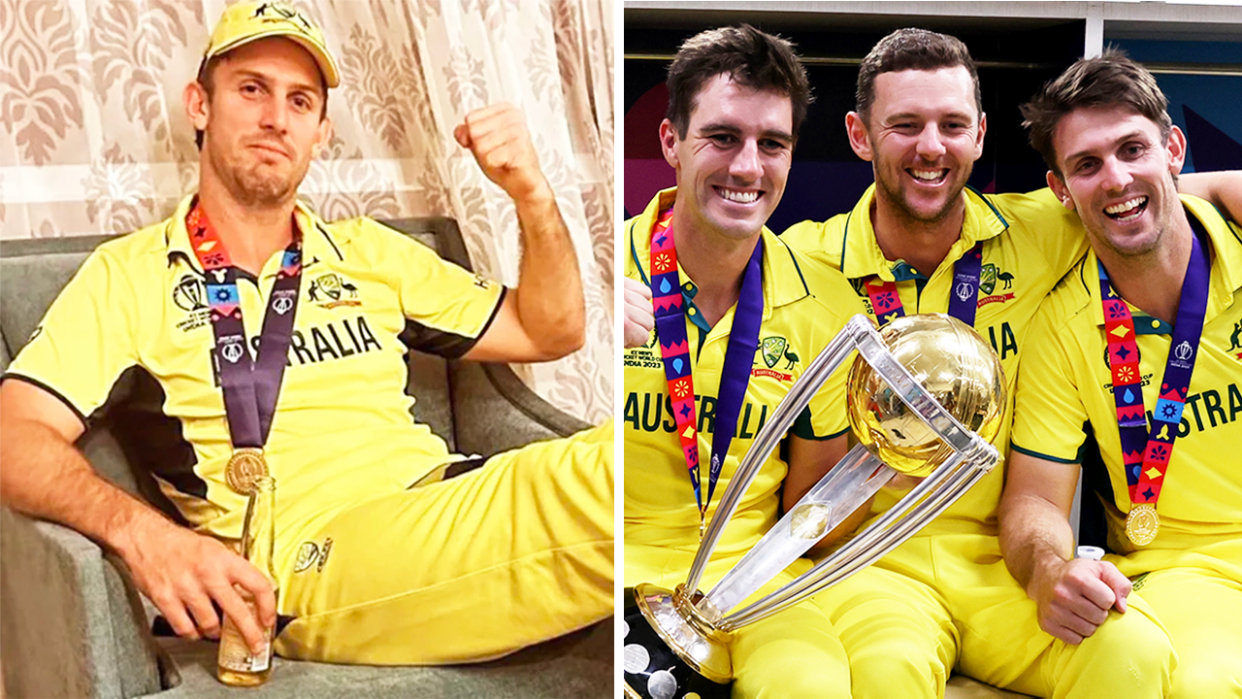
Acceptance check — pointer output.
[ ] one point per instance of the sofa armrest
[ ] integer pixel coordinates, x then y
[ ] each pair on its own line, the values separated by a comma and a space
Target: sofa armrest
493, 411
68, 622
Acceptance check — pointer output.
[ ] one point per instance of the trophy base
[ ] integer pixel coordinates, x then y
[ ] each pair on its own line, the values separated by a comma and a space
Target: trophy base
667, 655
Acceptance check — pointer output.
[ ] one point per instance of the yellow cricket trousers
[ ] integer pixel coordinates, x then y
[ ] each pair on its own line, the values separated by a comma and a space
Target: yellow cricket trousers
1195, 589
946, 601
466, 569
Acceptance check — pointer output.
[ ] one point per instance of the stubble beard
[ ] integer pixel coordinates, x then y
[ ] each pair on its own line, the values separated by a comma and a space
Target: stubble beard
251, 187
901, 206
1162, 223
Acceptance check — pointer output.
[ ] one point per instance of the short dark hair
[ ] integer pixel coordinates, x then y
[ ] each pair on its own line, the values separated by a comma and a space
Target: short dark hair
1111, 79
911, 49
206, 78
752, 58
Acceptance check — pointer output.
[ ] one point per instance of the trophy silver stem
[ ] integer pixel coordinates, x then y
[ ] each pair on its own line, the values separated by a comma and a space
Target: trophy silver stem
844, 489
873, 543
799, 396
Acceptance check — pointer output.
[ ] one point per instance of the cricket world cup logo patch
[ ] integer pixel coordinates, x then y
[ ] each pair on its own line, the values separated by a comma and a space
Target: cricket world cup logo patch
190, 295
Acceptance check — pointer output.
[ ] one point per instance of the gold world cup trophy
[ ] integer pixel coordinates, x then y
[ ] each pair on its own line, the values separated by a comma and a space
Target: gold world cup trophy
925, 397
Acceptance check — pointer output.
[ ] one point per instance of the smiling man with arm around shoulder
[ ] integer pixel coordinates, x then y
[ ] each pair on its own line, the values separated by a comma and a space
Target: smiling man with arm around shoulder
920, 240
1138, 343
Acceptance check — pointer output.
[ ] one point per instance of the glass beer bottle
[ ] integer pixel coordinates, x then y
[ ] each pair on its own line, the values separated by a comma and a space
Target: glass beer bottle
236, 664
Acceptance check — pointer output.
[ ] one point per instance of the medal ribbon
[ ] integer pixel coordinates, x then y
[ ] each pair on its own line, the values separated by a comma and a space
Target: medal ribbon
250, 388
670, 321
963, 297
1146, 453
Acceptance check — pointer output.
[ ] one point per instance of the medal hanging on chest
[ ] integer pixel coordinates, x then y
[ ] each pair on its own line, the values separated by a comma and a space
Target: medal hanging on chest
670, 321
1144, 452
963, 297
250, 388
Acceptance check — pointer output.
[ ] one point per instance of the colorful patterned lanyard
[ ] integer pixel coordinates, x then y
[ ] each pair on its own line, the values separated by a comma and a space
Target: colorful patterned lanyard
963, 299
250, 388
670, 321
1146, 454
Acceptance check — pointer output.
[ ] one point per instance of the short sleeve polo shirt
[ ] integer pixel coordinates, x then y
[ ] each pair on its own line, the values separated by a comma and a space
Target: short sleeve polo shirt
1066, 386
342, 428
805, 306
1029, 242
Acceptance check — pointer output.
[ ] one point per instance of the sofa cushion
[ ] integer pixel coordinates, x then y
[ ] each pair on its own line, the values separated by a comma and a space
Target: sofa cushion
575, 666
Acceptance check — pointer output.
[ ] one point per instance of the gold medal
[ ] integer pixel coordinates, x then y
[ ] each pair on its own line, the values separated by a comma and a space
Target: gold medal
1142, 524
245, 467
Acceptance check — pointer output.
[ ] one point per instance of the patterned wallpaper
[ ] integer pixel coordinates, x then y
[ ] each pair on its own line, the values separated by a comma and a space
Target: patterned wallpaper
94, 139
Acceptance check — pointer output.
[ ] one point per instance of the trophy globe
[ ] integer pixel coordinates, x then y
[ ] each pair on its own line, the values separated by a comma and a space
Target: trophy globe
952, 364
925, 399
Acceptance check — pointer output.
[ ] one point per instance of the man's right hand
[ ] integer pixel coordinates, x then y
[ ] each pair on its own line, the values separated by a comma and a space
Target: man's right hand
639, 319
1074, 597
182, 573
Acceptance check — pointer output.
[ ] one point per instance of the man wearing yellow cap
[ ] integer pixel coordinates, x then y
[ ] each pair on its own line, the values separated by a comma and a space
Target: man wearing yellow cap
274, 341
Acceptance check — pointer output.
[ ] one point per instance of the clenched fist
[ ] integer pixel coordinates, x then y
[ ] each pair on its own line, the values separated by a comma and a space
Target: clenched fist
498, 139
1074, 597
639, 319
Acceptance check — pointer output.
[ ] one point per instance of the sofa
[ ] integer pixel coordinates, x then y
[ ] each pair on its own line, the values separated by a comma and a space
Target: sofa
73, 625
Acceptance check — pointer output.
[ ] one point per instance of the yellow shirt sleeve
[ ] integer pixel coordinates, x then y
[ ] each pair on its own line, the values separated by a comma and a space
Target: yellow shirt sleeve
825, 417
1049, 228
447, 308
818, 240
835, 303
87, 338
1049, 415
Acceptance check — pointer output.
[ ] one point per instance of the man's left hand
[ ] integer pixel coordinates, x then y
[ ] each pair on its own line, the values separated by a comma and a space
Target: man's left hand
498, 139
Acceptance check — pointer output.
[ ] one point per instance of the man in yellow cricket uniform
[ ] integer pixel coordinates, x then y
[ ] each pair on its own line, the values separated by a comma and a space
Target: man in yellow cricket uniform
1104, 130
1191, 575
794, 652
741, 315
388, 551
944, 601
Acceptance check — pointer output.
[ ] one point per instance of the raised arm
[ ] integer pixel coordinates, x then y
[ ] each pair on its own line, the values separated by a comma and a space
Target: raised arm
1073, 594
43, 475
1223, 189
544, 318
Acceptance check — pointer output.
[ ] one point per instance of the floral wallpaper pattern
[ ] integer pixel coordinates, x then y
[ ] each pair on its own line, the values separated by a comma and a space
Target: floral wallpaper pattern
94, 139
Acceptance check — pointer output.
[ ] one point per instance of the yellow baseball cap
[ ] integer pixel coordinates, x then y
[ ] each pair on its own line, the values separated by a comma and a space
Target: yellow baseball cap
250, 21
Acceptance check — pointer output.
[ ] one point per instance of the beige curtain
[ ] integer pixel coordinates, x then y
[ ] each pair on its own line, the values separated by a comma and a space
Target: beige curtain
93, 137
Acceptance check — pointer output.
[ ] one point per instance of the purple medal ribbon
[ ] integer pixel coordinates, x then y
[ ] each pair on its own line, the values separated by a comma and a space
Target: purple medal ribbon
670, 321
739, 357
964, 296
250, 388
1146, 452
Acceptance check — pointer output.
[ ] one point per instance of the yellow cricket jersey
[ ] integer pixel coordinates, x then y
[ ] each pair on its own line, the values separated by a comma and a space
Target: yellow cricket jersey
804, 306
342, 431
1067, 385
1029, 242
